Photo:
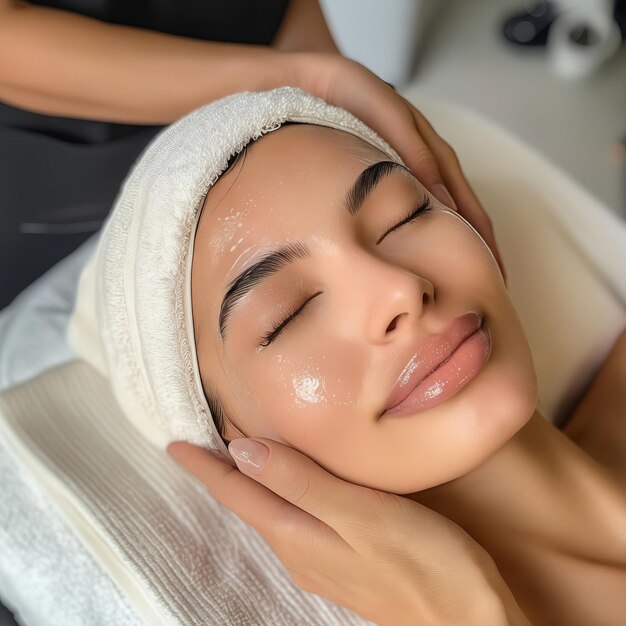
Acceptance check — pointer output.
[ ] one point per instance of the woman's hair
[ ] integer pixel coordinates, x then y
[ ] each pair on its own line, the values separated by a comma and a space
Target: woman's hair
214, 402
216, 407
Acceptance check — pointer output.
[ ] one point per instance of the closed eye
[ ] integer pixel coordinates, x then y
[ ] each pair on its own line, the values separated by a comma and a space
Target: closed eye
425, 206
278, 328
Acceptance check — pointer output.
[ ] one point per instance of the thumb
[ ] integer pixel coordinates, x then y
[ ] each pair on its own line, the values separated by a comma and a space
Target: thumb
298, 479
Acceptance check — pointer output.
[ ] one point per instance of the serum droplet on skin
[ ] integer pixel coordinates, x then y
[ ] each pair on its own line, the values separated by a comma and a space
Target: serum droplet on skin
235, 245
309, 389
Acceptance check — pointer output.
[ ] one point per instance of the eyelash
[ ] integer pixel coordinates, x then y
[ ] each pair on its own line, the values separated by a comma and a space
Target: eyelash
278, 328
267, 339
414, 213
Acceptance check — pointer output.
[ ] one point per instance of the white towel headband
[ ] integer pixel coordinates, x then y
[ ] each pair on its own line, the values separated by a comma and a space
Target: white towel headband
133, 317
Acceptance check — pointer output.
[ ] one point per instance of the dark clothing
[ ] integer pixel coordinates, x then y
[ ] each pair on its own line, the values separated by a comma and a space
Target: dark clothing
59, 176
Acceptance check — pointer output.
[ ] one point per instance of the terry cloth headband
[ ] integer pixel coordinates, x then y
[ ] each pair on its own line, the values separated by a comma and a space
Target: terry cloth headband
133, 318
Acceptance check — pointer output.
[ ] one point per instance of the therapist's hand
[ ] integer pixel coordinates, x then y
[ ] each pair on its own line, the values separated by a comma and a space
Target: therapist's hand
350, 85
389, 559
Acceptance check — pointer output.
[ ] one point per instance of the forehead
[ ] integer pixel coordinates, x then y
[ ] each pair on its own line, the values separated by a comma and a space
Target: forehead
288, 182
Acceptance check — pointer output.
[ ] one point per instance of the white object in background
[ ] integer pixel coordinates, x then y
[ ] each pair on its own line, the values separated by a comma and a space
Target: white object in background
582, 39
383, 36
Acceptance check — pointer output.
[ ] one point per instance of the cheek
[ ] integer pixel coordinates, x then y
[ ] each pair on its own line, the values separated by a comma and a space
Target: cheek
302, 395
448, 251
468, 252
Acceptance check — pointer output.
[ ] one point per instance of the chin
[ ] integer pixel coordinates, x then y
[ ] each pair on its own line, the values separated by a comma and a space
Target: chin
506, 408
480, 423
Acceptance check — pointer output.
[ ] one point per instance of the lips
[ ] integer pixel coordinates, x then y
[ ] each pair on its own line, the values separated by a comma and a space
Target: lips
432, 354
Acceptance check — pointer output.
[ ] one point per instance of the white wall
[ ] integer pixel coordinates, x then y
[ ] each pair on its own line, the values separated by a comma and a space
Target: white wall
383, 35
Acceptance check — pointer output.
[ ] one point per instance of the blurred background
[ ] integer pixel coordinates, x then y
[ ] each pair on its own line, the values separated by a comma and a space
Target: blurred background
558, 81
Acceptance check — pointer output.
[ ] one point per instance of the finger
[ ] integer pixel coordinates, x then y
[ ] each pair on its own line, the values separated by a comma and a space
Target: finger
301, 481
390, 117
467, 203
272, 516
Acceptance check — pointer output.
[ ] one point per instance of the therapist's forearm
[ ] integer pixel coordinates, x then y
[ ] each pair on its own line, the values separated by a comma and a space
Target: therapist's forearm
304, 27
59, 63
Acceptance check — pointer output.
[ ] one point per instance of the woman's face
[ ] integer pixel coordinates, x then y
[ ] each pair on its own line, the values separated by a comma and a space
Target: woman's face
377, 309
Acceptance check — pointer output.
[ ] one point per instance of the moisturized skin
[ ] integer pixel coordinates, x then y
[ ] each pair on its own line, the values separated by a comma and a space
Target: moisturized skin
322, 385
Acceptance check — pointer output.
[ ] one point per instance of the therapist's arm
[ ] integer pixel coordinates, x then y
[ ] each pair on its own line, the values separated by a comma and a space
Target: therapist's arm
304, 28
61, 63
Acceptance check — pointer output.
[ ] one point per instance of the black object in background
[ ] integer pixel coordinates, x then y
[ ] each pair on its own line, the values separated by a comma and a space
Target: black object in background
619, 13
6, 617
530, 27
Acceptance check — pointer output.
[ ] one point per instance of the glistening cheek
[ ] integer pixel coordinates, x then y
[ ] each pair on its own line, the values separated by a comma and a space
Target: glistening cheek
311, 381
309, 388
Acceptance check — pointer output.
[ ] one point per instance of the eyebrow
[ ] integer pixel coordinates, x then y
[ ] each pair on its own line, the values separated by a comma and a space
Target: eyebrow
367, 181
276, 260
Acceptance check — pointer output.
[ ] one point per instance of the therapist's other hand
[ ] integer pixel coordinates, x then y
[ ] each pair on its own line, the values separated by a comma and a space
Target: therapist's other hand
389, 559
352, 86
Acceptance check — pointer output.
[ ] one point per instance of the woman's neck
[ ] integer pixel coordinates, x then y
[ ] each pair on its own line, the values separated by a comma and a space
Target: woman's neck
538, 505
539, 484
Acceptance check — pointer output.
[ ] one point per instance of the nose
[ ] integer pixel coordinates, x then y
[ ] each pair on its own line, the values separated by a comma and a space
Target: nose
393, 298
402, 303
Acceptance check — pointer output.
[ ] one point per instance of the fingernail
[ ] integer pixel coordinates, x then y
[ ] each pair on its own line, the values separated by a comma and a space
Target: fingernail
440, 191
173, 449
249, 455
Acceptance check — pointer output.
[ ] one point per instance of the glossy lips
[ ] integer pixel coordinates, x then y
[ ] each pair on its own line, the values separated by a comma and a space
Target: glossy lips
441, 366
